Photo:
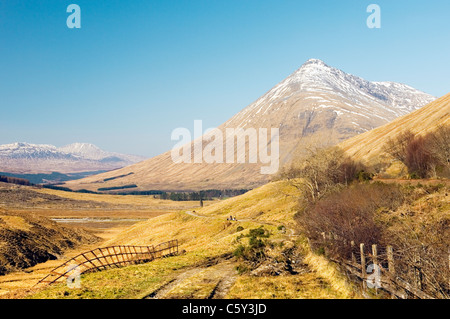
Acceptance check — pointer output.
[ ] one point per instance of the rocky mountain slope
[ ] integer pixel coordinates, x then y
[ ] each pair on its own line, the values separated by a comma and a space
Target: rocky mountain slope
317, 104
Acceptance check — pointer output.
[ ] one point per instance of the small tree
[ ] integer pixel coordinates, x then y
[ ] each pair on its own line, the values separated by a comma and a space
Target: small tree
419, 159
422, 155
397, 147
321, 171
439, 147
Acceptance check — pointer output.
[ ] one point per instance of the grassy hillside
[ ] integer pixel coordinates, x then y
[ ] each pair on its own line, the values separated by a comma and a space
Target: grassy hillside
207, 241
368, 147
26, 239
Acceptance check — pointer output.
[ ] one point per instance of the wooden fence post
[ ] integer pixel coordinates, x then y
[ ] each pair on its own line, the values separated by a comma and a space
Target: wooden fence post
391, 264
390, 256
375, 262
352, 243
374, 255
363, 264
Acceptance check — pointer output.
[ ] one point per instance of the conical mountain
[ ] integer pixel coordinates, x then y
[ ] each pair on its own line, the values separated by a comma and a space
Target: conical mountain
317, 104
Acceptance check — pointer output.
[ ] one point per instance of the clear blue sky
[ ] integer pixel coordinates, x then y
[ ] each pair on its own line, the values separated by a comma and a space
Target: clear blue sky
136, 70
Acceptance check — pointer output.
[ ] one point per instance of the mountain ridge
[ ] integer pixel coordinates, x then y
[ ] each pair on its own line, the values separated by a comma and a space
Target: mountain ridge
23, 157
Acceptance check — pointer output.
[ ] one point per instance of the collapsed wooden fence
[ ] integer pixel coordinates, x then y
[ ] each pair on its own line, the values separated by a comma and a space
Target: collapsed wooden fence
382, 268
381, 277
108, 257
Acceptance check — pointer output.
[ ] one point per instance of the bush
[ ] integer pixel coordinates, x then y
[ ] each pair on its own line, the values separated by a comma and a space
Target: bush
239, 251
254, 252
418, 157
259, 232
424, 156
348, 215
322, 172
242, 269
414, 220
363, 176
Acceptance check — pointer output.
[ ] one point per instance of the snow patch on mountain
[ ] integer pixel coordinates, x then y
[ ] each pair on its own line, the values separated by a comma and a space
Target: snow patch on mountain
70, 158
92, 152
316, 81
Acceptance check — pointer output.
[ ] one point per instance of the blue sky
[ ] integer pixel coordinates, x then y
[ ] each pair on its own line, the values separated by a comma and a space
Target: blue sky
136, 70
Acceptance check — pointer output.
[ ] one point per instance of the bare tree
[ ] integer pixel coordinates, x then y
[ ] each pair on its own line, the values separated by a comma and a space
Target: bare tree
439, 145
321, 171
397, 146
423, 155
419, 159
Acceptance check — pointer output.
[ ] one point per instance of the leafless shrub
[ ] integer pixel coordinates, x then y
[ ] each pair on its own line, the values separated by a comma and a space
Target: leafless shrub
422, 255
418, 157
439, 147
321, 172
348, 215
424, 156
411, 219
397, 146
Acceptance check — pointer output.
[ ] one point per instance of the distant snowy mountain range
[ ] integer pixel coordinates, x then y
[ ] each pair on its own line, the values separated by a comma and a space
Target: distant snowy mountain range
73, 158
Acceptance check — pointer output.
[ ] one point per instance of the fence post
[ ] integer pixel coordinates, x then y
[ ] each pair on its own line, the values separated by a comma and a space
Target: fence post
375, 261
390, 256
352, 243
374, 255
391, 264
363, 264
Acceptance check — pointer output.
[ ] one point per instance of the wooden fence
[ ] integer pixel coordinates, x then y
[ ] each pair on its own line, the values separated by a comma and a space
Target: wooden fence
386, 270
108, 257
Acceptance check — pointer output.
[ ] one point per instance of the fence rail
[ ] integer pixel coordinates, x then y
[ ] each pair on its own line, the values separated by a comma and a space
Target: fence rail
108, 257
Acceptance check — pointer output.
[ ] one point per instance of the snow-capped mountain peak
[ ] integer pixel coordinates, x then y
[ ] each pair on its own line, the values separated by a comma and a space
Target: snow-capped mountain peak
316, 76
316, 86
93, 152
27, 150
86, 150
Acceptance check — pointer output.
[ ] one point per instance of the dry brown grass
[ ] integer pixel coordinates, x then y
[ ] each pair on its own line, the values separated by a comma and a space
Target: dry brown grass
204, 237
368, 147
306, 286
138, 201
274, 202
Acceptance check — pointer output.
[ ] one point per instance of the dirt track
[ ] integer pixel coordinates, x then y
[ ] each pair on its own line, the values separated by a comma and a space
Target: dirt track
210, 280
